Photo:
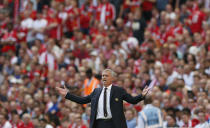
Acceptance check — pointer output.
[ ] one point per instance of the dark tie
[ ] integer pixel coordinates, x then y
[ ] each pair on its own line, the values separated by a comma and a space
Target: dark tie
105, 110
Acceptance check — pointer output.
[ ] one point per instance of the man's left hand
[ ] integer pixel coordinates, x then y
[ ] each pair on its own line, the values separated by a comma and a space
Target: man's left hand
145, 91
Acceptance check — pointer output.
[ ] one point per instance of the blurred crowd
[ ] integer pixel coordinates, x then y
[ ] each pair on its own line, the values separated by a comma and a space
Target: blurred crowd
49, 43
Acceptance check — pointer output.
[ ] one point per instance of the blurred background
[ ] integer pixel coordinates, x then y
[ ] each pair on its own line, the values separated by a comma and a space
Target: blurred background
49, 43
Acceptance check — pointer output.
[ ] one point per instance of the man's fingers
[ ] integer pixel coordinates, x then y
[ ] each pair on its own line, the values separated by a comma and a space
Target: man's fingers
58, 88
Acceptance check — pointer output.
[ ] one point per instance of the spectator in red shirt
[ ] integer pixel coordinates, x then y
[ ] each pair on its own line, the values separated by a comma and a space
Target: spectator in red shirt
72, 18
26, 122
9, 38
186, 118
195, 20
16, 121
105, 12
147, 7
53, 25
86, 16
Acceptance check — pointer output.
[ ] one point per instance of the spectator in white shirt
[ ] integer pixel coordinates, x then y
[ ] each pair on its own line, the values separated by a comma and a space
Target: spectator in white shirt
39, 26
47, 58
4, 123
28, 21
188, 76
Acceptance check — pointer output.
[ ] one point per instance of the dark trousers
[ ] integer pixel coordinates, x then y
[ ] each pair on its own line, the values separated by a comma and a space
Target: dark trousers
101, 123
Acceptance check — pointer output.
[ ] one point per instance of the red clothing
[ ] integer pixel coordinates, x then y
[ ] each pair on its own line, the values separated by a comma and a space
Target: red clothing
23, 32
56, 31
136, 4
197, 17
80, 54
155, 31
178, 29
191, 123
194, 7
147, 6
42, 49
7, 37
3, 24
136, 68
10, 36
144, 47
33, 14
18, 125
60, 1
172, 31
167, 59
85, 15
6, 48
109, 12
72, 21
29, 125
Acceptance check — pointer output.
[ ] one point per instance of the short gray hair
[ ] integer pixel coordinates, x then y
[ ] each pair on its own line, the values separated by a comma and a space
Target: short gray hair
111, 71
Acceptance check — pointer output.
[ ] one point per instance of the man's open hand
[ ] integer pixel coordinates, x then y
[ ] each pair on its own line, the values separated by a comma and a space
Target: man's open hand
145, 91
62, 91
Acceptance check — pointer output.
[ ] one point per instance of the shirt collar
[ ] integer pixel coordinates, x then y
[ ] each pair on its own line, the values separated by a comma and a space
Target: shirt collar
109, 87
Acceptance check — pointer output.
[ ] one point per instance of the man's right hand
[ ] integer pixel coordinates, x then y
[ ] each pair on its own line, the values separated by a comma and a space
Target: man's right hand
62, 91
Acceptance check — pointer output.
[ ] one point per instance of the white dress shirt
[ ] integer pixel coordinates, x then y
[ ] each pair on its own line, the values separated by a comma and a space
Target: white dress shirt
100, 109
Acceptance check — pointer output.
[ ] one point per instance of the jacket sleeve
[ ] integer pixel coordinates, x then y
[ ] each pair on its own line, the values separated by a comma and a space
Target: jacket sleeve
130, 99
78, 99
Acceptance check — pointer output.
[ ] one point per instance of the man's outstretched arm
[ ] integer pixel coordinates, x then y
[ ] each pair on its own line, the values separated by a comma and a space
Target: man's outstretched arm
134, 100
80, 100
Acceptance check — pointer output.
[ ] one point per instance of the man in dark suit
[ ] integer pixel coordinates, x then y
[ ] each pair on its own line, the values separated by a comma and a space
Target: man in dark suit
106, 102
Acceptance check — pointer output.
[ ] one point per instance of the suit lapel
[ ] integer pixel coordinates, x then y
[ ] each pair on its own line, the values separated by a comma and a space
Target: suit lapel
97, 96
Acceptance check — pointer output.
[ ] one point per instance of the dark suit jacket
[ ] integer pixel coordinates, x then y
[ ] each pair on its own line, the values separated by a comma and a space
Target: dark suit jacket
117, 96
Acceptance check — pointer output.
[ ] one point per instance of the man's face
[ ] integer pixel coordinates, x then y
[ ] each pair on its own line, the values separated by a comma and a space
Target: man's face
107, 78
26, 120
170, 120
201, 116
129, 115
185, 118
42, 123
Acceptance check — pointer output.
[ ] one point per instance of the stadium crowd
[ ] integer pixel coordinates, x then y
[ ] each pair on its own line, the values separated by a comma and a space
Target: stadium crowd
49, 43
